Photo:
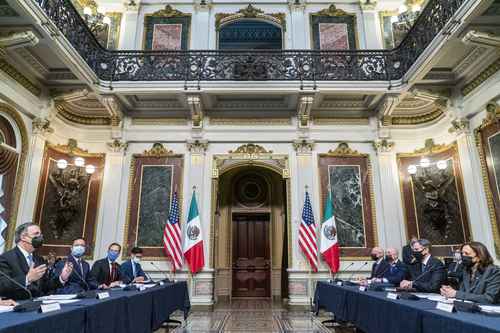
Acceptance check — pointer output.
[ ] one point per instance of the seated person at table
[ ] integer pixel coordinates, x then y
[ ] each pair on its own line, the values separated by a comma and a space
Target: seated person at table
29, 270
131, 269
106, 271
408, 251
429, 273
80, 279
7, 302
481, 279
397, 269
380, 266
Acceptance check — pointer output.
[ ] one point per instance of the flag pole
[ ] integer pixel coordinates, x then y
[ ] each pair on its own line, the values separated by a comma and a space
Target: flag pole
329, 187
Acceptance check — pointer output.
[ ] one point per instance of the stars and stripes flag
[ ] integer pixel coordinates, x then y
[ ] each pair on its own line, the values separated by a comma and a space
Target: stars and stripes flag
193, 239
329, 248
172, 235
307, 234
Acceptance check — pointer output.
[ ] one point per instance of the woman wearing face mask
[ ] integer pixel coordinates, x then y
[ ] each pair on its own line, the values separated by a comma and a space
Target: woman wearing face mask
481, 279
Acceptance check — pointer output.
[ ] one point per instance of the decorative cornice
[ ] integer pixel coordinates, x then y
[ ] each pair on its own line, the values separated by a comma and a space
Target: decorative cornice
431, 147
459, 126
332, 11
72, 149
168, 11
41, 126
383, 146
416, 120
197, 146
250, 149
482, 39
19, 78
63, 112
304, 146
250, 121
343, 149
483, 76
158, 150
117, 145
114, 109
250, 12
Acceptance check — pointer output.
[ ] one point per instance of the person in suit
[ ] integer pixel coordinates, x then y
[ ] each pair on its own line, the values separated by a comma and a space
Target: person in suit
131, 269
80, 279
408, 258
380, 266
455, 269
106, 271
481, 279
429, 273
397, 270
28, 269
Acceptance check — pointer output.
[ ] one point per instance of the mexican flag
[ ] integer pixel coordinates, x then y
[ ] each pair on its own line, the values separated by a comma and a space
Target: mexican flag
330, 249
192, 245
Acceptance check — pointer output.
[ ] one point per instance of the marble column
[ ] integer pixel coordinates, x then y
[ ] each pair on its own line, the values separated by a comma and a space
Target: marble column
201, 27
129, 27
297, 30
373, 32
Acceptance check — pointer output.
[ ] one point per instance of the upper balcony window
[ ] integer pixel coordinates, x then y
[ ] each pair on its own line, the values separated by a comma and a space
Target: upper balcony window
250, 34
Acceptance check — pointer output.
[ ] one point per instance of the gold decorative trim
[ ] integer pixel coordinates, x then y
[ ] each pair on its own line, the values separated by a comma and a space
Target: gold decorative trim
168, 11
417, 120
332, 11
72, 149
341, 121
343, 149
79, 119
251, 121
250, 12
19, 78
429, 148
250, 149
483, 76
158, 150
159, 121
18, 187
487, 190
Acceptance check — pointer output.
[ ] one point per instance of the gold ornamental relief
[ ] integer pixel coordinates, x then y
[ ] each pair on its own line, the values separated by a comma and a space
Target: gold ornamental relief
249, 12
72, 149
158, 150
343, 149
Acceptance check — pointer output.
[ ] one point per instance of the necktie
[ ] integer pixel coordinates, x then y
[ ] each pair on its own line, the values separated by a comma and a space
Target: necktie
133, 269
113, 272
30, 260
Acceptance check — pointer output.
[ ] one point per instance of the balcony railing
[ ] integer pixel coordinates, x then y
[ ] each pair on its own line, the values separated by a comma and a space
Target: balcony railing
251, 65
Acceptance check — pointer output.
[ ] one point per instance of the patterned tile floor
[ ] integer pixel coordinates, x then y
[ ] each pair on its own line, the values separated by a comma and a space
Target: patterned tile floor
252, 316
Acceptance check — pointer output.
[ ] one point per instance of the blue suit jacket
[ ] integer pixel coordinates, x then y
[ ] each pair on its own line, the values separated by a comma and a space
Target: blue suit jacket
127, 272
75, 283
396, 273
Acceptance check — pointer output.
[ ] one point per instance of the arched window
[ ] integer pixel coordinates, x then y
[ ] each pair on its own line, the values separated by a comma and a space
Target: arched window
12, 154
250, 34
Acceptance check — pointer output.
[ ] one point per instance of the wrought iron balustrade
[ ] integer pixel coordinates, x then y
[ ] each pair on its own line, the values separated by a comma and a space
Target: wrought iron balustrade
251, 65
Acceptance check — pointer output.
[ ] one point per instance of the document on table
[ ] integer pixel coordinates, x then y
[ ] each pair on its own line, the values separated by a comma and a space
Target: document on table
434, 297
490, 308
6, 308
61, 301
57, 297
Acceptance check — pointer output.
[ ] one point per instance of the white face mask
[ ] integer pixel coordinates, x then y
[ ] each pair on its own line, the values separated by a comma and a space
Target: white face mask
136, 260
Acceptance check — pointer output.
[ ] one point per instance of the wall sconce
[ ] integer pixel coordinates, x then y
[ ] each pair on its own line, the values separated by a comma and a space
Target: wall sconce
78, 162
426, 163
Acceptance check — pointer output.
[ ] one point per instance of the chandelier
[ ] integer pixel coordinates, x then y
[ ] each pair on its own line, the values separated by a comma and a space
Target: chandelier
96, 20
425, 163
78, 162
406, 16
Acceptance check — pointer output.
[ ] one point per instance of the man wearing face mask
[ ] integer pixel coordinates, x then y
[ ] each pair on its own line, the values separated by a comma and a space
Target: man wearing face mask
28, 269
396, 271
80, 279
481, 279
429, 273
380, 266
131, 269
106, 271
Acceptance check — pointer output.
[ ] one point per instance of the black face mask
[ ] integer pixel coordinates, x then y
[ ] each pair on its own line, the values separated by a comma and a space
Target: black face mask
418, 256
467, 261
388, 258
37, 241
374, 257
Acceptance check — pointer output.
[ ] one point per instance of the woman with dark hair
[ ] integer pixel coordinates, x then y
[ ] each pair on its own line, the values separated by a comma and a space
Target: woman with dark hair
481, 279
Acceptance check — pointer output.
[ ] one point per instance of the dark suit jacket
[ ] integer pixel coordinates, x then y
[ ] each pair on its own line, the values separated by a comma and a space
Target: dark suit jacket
100, 271
13, 263
75, 283
379, 270
484, 288
407, 254
127, 272
430, 280
396, 273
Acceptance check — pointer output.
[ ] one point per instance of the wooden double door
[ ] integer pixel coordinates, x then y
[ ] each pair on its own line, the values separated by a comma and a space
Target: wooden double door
251, 255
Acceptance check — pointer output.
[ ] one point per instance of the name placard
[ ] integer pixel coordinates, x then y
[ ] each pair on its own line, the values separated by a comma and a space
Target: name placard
44, 308
392, 295
102, 295
362, 288
445, 307
339, 283
162, 283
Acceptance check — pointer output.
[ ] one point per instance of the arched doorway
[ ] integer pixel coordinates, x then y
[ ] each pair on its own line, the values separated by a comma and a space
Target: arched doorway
250, 34
251, 234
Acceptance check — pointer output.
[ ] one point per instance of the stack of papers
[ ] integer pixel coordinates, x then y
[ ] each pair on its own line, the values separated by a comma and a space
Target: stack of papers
62, 301
490, 309
6, 308
57, 297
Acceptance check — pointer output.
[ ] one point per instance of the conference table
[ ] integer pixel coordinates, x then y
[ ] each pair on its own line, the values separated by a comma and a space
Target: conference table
123, 311
373, 312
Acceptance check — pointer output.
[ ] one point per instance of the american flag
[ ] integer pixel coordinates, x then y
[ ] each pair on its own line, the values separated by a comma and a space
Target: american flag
172, 235
307, 234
